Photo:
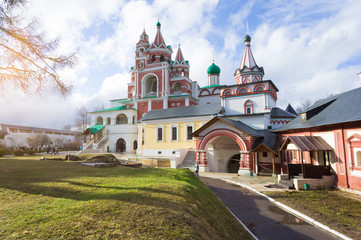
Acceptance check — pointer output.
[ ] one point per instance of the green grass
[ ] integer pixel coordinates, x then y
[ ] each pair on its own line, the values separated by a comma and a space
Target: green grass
332, 208
65, 200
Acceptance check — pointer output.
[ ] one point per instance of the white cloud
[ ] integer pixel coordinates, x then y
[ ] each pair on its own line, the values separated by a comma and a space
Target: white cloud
303, 45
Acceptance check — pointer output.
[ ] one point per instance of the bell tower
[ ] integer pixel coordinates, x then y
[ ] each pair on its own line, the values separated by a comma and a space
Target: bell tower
248, 71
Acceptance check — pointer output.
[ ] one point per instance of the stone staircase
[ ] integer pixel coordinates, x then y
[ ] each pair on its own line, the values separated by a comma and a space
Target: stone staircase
189, 160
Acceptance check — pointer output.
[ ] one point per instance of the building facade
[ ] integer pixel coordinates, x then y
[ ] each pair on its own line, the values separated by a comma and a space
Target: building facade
12, 136
167, 105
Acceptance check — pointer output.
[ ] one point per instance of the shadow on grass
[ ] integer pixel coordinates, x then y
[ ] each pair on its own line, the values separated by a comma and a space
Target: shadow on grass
51, 179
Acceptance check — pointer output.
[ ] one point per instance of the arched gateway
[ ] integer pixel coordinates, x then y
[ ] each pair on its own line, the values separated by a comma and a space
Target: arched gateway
223, 150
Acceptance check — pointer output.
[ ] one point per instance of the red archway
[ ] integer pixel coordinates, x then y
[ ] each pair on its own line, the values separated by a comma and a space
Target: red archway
241, 142
222, 133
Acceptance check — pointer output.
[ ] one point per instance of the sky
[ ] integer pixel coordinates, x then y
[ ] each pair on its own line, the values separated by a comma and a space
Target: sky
308, 48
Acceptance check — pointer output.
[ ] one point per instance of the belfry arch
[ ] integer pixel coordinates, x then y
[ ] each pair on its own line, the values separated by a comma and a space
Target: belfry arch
150, 85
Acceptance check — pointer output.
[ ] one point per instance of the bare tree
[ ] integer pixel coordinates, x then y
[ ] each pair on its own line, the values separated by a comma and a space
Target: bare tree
36, 141
82, 118
99, 108
27, 59
67, 127
305, 104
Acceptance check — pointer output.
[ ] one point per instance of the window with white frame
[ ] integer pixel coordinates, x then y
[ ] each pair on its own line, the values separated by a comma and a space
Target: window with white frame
159, 133
174, 133
358, 157
189, 131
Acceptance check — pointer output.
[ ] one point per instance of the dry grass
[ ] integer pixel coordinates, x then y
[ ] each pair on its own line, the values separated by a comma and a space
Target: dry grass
332, 208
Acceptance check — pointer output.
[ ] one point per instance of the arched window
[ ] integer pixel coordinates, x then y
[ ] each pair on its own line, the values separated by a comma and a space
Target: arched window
177, 87
248, 107
108, 121
153, 58
227, 92
150, 86
133, 119
99, 121
135, 145
258, 89
121, 119
242, 90
141, 51
204, 92
161, 58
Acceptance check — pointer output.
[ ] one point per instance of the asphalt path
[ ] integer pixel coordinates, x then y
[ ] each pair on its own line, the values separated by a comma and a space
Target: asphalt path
263, 218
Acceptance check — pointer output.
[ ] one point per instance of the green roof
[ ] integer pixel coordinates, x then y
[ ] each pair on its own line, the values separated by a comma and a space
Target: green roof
215, 85
213, 69
115, 109
247, 38
96, 128
158, 24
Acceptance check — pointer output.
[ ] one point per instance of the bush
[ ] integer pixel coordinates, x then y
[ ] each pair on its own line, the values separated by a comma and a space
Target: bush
2, 152
31, 152
18, 152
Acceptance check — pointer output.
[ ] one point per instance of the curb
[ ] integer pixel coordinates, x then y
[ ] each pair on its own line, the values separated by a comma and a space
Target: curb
292, 211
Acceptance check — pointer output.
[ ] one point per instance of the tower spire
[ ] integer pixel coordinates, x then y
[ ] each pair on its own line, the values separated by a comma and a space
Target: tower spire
248, 71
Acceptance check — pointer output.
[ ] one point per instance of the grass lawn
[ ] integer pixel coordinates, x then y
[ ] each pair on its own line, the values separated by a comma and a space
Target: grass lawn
65, 200
332, 208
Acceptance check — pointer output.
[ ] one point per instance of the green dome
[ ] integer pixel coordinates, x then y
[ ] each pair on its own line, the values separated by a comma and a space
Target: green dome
213, 69
158, 24
247, 38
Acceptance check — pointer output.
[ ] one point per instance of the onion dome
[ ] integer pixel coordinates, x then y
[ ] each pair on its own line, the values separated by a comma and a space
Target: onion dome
158, 24
213, 69
247, 38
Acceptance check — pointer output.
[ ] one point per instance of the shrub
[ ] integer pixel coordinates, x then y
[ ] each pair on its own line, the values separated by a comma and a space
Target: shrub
2, 152
31, 152
18, 152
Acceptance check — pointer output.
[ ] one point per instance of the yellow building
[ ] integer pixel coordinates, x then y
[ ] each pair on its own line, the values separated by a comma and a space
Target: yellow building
167, 132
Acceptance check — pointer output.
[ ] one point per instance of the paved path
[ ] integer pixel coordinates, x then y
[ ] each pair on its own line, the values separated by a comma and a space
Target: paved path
261, 216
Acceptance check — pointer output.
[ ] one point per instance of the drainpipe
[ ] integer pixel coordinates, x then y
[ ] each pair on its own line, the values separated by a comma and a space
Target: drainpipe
344, 155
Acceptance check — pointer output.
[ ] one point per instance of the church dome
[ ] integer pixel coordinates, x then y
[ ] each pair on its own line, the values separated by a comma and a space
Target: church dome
213, 69
247, 38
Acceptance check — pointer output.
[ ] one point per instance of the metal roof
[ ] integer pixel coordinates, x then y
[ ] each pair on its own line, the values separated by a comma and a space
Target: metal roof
178, 112
279, 113
307, 143
114, 109
94, 129
341, 108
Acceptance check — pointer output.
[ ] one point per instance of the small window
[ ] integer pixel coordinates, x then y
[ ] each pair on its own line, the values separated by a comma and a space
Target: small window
159, 152
189, 132
249, 110
358, 159
135, 145
153, 58
174, 134
161, 58
159, 134
264, 154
